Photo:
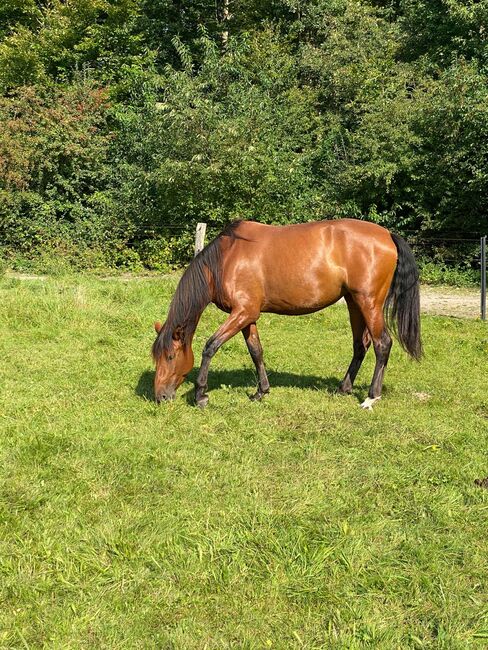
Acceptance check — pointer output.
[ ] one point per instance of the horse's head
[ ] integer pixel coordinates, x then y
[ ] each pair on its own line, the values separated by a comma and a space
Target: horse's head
173, 363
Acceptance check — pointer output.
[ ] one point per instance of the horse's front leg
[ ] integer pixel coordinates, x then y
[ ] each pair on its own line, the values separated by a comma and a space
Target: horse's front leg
236, 322
255, 348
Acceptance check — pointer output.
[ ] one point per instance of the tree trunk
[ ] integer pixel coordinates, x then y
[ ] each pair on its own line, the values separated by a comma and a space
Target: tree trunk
225, 22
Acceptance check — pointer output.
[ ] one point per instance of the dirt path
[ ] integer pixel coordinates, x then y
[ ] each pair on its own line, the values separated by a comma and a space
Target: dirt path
448, 301
441, 301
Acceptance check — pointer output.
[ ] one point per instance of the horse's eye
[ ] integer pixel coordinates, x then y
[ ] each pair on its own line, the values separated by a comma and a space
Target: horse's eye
171, 357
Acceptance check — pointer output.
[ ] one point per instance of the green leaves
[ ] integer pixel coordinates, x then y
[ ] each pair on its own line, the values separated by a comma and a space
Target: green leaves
313, 109
232, 138
52, 163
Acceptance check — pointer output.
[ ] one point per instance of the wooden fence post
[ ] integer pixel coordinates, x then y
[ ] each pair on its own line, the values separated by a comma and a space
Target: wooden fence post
200, 237
483, 278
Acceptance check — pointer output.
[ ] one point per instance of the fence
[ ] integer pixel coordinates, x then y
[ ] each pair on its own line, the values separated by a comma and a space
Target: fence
483, 278
450, 250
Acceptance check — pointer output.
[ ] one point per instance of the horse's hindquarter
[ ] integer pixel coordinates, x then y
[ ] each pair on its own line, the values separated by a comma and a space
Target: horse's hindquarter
369, 257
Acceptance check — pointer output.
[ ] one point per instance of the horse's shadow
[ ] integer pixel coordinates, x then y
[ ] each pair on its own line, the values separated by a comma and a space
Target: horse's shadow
245, 378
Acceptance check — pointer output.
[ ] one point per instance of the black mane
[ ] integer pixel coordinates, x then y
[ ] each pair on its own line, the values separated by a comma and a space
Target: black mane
193, 293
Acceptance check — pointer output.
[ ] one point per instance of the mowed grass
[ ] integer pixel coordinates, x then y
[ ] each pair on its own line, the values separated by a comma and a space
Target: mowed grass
300, 522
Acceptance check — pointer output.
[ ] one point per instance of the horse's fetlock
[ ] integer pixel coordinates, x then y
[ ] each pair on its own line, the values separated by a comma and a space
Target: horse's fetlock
202, 401
345, 388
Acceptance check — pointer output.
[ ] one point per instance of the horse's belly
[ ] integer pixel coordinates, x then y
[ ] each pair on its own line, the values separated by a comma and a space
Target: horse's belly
295, 298
284, 310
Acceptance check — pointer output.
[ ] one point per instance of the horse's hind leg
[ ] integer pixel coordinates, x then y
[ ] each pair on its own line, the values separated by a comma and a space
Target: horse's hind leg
372, 310
361, 342
254, 346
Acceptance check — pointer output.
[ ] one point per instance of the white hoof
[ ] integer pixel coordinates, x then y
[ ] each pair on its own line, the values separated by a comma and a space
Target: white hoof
368, 403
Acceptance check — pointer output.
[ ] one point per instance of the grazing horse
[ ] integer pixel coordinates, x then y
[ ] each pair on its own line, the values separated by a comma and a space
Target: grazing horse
252, 268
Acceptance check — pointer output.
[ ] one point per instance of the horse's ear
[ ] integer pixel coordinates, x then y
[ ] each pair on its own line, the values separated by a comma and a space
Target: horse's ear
157, 326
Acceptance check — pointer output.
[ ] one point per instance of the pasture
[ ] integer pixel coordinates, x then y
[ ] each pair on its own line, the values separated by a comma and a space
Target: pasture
299, 522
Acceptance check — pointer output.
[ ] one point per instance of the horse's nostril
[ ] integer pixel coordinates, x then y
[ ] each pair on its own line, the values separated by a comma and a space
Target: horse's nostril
162, 398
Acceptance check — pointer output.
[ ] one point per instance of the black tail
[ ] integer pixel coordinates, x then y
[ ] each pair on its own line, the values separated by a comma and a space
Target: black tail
402, 305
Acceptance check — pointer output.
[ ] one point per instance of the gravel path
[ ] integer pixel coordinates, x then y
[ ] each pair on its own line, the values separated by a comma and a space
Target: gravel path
447, 301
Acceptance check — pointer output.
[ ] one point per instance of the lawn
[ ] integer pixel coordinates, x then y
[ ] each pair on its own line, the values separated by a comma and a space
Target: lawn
299, 522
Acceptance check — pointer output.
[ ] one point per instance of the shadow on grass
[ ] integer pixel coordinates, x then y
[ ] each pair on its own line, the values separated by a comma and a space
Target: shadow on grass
246, 378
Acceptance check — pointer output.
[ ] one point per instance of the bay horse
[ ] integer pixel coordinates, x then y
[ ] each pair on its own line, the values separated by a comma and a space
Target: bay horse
252, 268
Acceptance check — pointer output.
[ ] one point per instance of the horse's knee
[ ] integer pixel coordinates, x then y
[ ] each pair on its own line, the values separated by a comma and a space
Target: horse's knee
211, 347
255, 348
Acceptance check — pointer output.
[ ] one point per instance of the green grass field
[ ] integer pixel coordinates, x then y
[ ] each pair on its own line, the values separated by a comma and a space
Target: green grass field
300, 522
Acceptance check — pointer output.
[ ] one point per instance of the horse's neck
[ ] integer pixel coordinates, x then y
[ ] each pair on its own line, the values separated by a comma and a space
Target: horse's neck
193, 294
189, 324
192, 326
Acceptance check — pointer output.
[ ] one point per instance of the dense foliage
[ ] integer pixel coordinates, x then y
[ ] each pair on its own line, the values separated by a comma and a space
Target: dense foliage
123, 123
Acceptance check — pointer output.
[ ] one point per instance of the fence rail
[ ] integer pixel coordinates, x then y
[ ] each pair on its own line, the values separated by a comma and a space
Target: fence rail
473, 253
483, 277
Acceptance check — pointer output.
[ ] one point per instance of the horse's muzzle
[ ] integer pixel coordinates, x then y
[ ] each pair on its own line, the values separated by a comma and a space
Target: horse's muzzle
165, 396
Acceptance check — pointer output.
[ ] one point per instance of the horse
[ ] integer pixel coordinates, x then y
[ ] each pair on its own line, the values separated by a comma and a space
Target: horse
251, 268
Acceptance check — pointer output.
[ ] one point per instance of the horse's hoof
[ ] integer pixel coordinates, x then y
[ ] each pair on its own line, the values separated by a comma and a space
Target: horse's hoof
369, 402
344, 390
258, 395
202, 401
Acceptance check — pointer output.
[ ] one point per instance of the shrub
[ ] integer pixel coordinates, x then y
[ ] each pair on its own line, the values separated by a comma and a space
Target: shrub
54, 171
455, 276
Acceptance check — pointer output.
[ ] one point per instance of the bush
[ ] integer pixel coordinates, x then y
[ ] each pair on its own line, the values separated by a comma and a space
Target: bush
165, 254
232, 139
53, 169
112, 141
455, 276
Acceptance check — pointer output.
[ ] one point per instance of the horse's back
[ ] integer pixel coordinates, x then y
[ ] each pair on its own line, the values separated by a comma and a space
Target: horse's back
312, 232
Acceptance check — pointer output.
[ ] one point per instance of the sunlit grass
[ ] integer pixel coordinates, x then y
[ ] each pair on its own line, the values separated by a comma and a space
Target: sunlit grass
298, 522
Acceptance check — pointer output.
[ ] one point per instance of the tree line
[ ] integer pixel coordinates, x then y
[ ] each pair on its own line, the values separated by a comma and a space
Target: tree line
125, 122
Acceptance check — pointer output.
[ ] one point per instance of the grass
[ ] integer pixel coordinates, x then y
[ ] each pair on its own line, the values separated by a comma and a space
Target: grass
300, 522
